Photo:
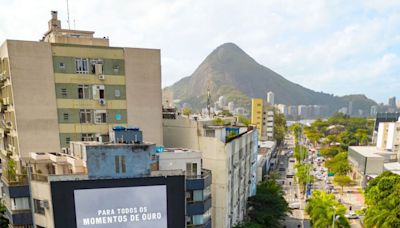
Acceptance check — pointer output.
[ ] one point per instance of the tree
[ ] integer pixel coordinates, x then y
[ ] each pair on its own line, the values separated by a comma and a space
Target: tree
339, 164
303, 174
244, 120
3, 221
382, 195
268, 207
279, 127
186, 111
300, 153
322, 208
342, 181
226, 113
218, 121
329, 152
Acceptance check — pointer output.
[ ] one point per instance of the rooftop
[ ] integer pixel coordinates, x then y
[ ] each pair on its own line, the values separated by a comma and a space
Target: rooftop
368, 151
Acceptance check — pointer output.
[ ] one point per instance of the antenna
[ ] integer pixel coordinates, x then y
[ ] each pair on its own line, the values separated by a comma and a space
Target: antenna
69, 25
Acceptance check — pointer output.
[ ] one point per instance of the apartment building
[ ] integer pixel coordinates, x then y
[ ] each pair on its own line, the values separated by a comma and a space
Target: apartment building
70, 86
262, 115
230, 152
69, 190
198, 183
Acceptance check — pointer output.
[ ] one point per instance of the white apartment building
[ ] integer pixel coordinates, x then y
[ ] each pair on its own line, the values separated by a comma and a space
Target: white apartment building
230, 152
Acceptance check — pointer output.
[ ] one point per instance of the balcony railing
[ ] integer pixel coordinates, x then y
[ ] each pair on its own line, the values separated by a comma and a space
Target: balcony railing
204, 174
14, 180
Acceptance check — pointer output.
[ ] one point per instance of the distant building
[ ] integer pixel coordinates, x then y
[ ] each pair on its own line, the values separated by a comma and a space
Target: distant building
392, 102
262, 115
168, 98
222, 102
231, 107
386, 117
350, 109
283, 109
374, 110
302, 111
271, 98
292, 110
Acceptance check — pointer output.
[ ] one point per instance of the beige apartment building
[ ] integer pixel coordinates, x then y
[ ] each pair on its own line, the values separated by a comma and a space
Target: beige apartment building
231, 157
71, 86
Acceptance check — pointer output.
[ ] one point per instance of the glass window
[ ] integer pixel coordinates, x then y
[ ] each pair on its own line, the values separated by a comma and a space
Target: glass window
67, 140
66, 116
117, 93
197, 195
123, 164
116, 68
38, 207
100, 116
81, 66
85, 116
116, 164
87, 137
61, 65
83, 92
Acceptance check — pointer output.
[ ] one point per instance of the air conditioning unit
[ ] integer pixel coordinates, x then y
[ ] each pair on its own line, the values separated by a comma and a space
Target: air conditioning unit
102, 101
44, 203
102, 77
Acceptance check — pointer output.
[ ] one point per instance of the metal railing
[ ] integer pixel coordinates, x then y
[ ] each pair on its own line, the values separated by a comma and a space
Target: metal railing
204, 174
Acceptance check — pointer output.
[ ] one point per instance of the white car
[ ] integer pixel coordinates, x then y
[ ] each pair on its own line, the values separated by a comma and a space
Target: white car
351, 215
295, 205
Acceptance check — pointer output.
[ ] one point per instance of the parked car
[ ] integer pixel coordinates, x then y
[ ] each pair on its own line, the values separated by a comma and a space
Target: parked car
295, 205
351, 215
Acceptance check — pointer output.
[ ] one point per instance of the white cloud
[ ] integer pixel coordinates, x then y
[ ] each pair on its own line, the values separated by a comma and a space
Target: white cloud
334, 46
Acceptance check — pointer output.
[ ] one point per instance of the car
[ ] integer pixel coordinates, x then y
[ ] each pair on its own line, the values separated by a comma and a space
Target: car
295, 205
351, 215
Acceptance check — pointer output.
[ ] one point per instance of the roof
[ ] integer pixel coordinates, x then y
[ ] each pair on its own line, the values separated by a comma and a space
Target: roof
392, 166
367, 151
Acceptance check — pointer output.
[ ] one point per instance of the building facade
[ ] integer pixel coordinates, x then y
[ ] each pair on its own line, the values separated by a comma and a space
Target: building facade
262, 115
231, 157
71, 86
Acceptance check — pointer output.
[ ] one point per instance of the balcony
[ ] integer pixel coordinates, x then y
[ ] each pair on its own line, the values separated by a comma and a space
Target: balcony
207, 224
198, 207
198, 182
14, 179
19, 217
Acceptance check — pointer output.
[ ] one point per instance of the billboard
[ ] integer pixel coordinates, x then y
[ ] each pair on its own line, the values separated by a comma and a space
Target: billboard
141, 202
141, 207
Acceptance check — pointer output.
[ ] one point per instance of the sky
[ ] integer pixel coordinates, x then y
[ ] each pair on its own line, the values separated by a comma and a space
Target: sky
335, 46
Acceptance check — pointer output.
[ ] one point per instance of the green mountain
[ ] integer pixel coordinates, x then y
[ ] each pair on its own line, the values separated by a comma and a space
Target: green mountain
231, 72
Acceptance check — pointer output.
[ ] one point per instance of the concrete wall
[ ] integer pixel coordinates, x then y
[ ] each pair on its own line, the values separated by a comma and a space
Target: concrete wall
178, 160
41, 191
34, 96
143, 91
101, 160
180, 133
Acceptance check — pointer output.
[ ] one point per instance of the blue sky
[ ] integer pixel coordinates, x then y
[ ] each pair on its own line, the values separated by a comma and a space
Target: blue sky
340, 47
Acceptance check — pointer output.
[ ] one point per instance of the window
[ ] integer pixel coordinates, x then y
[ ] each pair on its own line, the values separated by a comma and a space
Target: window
117, 93
98, 92
210, 133
116, 68
191, 169
120, 164
99, 63
66, 116
67, 140
87, 137
61, 65
81, 66
85, 116
197, 195
100, 116
64, 92
39, 209
83, 92
20, 203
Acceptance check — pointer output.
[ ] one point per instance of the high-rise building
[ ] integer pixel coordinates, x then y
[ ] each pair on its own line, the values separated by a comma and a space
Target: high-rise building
292, 110
271, 98
262, 115
392, 102
230, 152
374, 110
231, 107
302, 111
70, 86
350, 109
283, 109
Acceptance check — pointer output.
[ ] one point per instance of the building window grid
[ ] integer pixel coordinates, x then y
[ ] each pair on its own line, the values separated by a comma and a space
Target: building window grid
84, 92
120, 164
81, 65
85, 116
37, 207
66, 116
64, 92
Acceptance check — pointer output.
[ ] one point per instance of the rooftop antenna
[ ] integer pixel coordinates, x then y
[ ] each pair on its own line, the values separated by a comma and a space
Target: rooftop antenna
69, 25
